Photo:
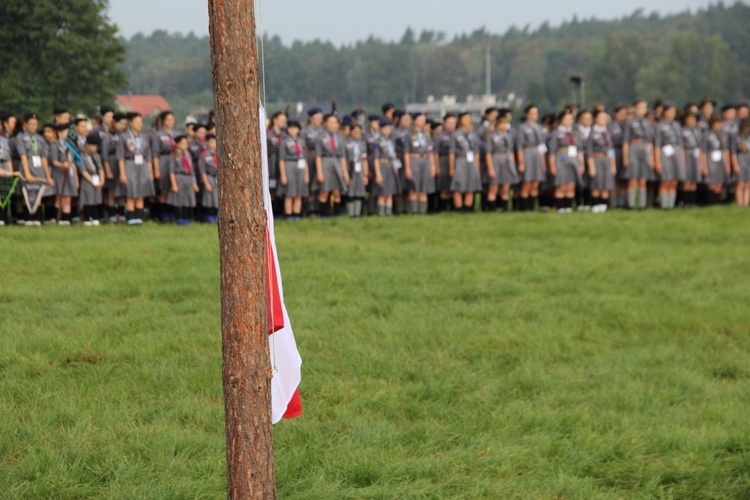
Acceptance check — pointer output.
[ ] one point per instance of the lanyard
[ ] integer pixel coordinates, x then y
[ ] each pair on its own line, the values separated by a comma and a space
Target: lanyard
137, 140
32, 138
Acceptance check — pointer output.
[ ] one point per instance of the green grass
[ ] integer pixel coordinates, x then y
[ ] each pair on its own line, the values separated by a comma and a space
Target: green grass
495, 356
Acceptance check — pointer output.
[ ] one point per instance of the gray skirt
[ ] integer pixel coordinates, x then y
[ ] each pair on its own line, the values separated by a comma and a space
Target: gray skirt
313, 185
333, 178
638, 163
533, 168
421, 175
567, 170
505, 169
693, 166
603, 180
716, 173
622, 173
672, 168
164, 183
356, 188
59, 177
139, 180
444, 178
391, 183
88, 194
296, 186
211, 200
466, 178
744, 161
114, 183
185, 196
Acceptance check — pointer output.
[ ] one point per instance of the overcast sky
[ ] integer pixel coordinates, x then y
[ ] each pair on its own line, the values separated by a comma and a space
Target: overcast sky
346, 21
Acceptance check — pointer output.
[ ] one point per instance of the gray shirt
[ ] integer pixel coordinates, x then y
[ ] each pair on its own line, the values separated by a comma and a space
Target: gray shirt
131, 144
668, 133
498, 142
638, 129
530, 135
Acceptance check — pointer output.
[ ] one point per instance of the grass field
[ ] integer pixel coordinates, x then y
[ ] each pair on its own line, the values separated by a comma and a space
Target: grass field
494, 356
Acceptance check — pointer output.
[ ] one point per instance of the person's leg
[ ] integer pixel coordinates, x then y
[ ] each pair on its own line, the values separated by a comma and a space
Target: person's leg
469, 202
458, 201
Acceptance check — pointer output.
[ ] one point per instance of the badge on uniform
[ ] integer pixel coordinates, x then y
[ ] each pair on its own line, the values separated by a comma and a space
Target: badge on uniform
470, 157
542, 148
716, 155
358, 167
572, 151
611, 154
697, 153
36, 161
138, 159
668, 150
95, 180
397, 164
301, 163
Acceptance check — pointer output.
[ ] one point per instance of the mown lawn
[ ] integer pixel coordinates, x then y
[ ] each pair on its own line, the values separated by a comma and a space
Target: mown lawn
495, 356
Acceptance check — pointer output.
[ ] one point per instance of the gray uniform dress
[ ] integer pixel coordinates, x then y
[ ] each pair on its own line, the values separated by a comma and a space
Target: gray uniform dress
59, 153
714, 149
401, 143
443, 147
561, 145
466, 177
5, 153
89, 195
162, 143
389, 166
639, 135
729, 133
617, 135
273, 143
209, 165
500, 145
419, 148
356, 156
111, 154
135, 151
530, 140
668, 137
599, 148
742, 148
309, 136
181, 167
34, 147
329, 148
692, 142
292, 153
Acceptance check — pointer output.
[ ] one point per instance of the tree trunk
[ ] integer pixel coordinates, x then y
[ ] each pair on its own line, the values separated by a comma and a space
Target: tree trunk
242, 231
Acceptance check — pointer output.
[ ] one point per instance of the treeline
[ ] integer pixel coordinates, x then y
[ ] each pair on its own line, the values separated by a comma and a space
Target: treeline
683, 57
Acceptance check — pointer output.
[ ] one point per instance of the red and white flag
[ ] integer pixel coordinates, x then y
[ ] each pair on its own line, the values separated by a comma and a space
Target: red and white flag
285, 359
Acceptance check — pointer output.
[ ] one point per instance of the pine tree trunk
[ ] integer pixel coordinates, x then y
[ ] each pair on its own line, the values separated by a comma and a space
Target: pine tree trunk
242, 230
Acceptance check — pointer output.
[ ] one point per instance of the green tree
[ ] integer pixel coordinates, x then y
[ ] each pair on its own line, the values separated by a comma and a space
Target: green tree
612, 75
58, 54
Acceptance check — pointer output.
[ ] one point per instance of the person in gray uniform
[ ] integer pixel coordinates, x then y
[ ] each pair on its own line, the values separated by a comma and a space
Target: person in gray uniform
501, 165
565, 162
162, 145
442, 146
600, 157
464, 165
741, 163
386, 166
582, 129
669, 155
356, 159
371, 137
330, 166
294, 171
115, 190
183, 182
208, 168
310, 134
64, 173
691, 140
420, 164
6, 163
274, 136
31, 161
617, 135
136, 168
637, 154
402, 125
729, 131
715, 160
91, 171
531, 151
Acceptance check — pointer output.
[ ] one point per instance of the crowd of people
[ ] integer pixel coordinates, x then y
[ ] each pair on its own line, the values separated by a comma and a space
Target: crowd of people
109, 168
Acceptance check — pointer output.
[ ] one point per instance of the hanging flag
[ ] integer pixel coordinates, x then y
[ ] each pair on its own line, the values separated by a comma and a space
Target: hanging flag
285, 359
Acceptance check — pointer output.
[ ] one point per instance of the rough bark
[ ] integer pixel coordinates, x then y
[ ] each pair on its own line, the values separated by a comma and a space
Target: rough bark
242, 226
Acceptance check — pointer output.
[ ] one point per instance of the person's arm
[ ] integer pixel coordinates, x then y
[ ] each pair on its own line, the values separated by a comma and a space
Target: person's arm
407, 157
345, 170
488, 156
121, 160
378, 175
47, 174
591, 164
452, 156
319, 162
282, 172
155, 145
625, 145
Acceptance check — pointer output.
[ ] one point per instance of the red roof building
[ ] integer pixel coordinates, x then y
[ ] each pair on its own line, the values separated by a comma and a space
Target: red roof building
147, 105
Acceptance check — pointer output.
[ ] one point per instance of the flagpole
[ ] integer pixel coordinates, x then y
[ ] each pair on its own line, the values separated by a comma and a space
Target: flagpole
242, 240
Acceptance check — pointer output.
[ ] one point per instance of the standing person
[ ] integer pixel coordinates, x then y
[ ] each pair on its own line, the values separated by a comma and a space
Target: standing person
387, 183
91, 181
442, 146
464, 168
162, 146
707, 111
401, 140
31, 154
346, 127
183, 183
310, 134
65, 175
330, 166
136, 168
584, 120
715, 160
531, 150
197, 147
565, 162
600, 156
742, 162
729, 132
294, 171
356, 157
669, 155
617, 135
274, 136
489, 119
115, 190
637, 154
691, 139
421, 164
389, 111
501, 166
371, 137
209, 170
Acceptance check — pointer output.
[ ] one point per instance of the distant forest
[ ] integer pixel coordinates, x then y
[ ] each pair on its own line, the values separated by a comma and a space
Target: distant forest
681, 57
